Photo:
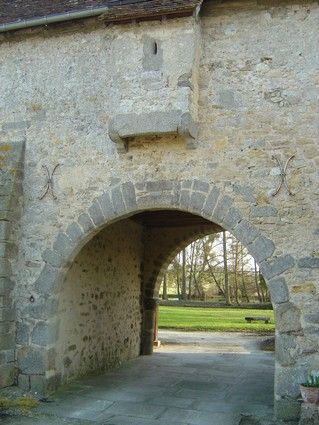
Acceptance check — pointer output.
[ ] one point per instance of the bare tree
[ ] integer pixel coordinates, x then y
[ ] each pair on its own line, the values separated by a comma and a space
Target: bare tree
226, 276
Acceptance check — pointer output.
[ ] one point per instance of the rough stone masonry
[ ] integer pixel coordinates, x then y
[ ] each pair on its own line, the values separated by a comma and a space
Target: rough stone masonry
184, 114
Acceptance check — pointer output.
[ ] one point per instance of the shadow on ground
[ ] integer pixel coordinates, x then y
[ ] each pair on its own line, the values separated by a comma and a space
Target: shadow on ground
185, 386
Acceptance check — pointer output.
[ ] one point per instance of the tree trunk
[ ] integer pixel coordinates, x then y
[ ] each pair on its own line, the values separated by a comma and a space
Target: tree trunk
226, 277
243, 283
184, 295
235, 272
256, 282
165, 287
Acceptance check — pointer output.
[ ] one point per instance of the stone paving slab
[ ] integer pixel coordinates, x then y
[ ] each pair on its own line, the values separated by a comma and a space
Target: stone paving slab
196, 417
126, 420
22, 420
169, 388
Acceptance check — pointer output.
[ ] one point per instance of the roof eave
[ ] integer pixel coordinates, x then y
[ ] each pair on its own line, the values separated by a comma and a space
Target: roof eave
117, 15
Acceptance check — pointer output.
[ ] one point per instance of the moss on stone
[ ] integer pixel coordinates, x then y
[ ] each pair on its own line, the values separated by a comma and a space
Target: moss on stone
19, 403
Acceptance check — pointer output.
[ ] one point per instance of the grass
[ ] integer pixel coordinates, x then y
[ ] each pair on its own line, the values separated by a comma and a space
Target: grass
20, 403
213, 319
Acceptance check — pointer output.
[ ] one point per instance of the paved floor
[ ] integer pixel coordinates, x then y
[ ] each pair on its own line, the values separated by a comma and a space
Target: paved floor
193, 379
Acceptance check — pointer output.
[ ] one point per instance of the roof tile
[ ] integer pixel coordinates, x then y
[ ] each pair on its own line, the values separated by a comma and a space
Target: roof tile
12, 11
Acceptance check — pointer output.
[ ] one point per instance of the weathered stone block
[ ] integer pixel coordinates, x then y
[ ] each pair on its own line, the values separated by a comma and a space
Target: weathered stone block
211, 201
6, 328
7, 341
262, 248
7, 314
277, 266
5, 268
6, 286
74, 232
287, 317
245, 232
86, 222
184, 200
118, 201
126, 126
24, 382
4, 230
278, 290
197, 201
231, 219
31, 360
52, 257
200, 186
23, 333
129, 196
106, 205
43, 334
286, 349
47, 282
223, 205
287, 409
38, 384
63, 245
309, 414
160, 185
8, 373
96, 214
3, 249
40, 309
309, 262
9, 355
261, 211
312, 318
247, 192
187, 184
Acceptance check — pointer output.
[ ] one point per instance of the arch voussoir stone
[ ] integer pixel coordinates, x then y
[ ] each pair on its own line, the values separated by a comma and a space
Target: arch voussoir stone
96, 214
221, 209
232, 218
118, 203
86, 223
211, 202
106, 206
63, 245
271, 268
159, 194
48, 280
52, 257
245, 232
74, 232
129, 195
261, 248
278, 290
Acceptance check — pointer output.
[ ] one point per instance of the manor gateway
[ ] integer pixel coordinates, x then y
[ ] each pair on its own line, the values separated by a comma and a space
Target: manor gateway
127, 130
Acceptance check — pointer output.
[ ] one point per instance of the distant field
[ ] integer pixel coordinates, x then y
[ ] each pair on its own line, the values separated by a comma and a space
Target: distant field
213, 319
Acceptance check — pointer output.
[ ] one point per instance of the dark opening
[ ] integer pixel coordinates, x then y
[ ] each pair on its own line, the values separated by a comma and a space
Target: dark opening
155, 48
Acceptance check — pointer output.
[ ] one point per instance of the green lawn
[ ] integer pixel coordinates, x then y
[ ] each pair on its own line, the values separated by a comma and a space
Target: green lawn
213, 319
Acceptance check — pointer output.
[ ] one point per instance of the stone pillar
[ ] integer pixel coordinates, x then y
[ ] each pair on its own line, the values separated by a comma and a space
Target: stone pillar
150, 306
156, 341
309, 414
12, 156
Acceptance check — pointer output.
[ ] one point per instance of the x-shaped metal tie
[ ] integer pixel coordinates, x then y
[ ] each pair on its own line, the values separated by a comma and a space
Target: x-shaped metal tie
283, 175
49, 186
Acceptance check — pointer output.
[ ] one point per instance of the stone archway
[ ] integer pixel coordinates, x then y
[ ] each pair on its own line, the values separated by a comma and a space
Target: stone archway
36, 361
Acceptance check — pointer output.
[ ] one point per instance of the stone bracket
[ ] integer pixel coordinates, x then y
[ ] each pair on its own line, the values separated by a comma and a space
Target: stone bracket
124, 127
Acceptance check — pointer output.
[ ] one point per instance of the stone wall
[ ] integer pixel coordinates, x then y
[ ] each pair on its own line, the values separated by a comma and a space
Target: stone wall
249, 72
99, 313
11, 171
